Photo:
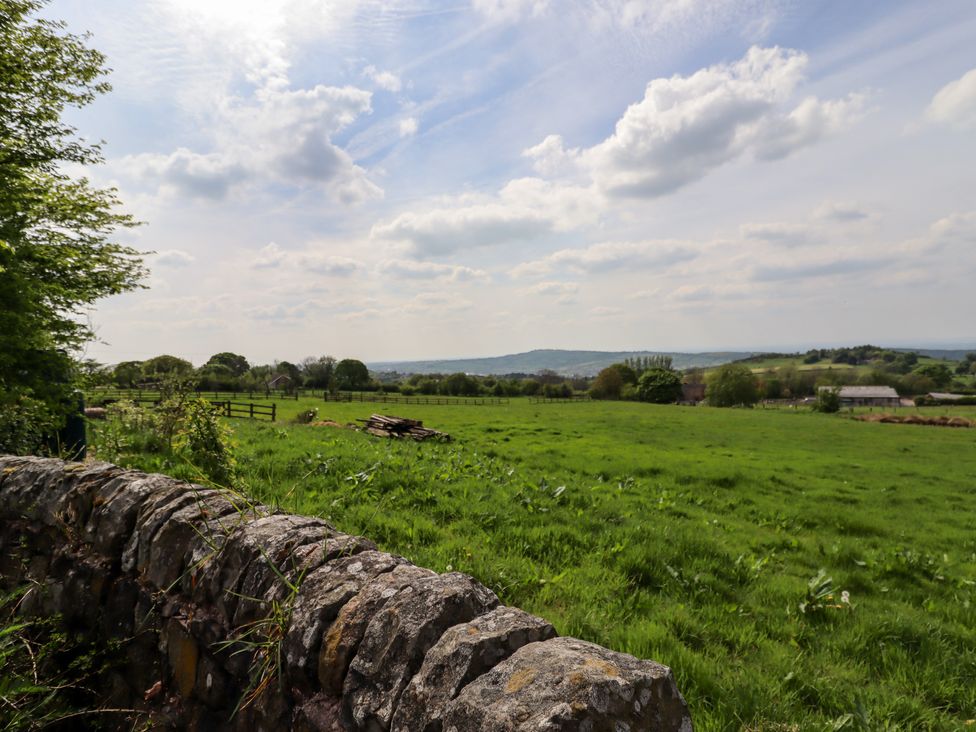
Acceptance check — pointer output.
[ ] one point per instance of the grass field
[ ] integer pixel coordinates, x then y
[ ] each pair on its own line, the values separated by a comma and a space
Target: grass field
689, 535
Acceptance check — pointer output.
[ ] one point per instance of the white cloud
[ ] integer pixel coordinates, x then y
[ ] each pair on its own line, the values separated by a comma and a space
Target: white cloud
955, 229
524, 209
268, 257
208, 176
955, 103
820, 267
282, 135
385, 80
408, 126
610, 256
686, 126
173, 258
692, 293
605, 311
444, 303
509, 10
273, 135
410, 269
328, 265
275, 312
788, 235
553, 289
364, 314
811, 121
441, 231
551, 158
841, 211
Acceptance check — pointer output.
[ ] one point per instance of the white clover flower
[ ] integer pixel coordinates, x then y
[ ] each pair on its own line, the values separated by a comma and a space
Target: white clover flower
845, 597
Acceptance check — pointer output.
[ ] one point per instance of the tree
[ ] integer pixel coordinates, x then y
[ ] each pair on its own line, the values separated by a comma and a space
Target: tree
940, 374
627, 374
287, 368
608, 384
732, 385
659, 386
319, 372
127, 374
159, 366
460, 384
828, 400
235, 363
56, 253
351, 374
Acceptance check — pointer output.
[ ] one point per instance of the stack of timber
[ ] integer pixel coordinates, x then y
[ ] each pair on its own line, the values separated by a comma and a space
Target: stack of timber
382, 425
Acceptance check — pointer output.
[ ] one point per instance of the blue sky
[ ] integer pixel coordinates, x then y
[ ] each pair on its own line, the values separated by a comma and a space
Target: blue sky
392, 180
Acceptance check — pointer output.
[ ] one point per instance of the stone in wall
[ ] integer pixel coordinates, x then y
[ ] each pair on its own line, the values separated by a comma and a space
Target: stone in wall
397, 639
568, 684
462, 654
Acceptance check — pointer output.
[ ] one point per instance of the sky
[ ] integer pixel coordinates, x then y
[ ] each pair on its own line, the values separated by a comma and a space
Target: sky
425, 179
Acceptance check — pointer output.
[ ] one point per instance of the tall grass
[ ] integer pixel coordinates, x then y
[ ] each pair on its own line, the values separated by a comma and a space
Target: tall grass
697, 537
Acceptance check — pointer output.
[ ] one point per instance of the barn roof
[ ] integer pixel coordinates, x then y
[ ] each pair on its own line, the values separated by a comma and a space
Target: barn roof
866, 392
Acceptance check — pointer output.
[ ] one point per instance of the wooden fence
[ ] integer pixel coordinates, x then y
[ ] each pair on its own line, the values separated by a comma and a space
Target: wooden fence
247, 410
225, 407
144, 395
559, 400
352, 396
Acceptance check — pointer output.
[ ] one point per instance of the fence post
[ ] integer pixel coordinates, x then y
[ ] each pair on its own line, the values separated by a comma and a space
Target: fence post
251, 405
274, 408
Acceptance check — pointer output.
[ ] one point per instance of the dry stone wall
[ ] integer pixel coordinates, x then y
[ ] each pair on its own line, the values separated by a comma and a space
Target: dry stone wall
217, 605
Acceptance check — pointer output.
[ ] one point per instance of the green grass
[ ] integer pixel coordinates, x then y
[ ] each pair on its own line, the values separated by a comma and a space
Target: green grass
687, 535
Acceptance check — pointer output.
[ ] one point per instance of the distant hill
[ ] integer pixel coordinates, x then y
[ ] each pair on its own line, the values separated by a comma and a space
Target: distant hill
565, 363
946, 354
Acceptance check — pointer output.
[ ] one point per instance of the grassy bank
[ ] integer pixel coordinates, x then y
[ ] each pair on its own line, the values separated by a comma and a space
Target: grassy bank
693, 536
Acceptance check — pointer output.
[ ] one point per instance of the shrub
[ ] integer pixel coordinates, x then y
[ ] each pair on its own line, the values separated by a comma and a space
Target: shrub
828, 400
659, 386
608, 384
25, 422
205, 441
732, 385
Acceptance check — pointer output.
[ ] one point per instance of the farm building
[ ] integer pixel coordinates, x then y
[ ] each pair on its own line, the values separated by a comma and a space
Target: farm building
945, 396
867, 396
279, 381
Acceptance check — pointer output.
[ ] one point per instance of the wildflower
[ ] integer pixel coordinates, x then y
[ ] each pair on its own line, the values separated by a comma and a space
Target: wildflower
845, 597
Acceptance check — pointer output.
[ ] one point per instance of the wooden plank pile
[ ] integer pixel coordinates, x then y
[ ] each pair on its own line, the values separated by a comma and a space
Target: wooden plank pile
383, 425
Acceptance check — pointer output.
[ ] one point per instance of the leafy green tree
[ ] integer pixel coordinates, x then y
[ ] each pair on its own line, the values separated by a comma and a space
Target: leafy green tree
967, 365
939, 373
627, 374
159, 366
217, 377
531, 387
608, 384
319, 372
351, 374
235, 363
732, 385
828, 400
56, 253
127, 374
659, 386
460, 384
